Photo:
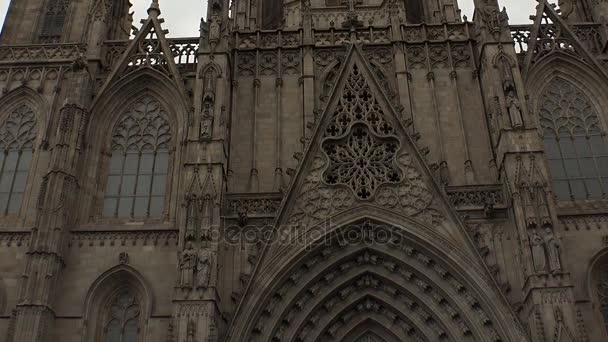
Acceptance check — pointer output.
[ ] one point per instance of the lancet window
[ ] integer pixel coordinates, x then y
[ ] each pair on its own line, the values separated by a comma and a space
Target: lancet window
53, 21
122, 318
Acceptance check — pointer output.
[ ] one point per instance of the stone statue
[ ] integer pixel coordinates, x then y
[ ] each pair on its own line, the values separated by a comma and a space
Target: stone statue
203, 268
187, 262
190, 331
514, 107
552, 248
214, 28
206, 123
538, 252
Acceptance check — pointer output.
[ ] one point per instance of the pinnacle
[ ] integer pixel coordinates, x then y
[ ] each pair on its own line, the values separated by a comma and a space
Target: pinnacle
154, 9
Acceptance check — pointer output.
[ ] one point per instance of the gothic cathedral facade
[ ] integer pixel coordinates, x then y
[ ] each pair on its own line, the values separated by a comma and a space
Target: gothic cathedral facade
304, 170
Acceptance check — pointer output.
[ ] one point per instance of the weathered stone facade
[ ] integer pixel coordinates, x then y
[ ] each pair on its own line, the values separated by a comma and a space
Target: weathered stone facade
315, 170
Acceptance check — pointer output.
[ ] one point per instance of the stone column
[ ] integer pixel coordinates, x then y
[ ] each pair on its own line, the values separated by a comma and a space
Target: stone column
57, 211
546, 296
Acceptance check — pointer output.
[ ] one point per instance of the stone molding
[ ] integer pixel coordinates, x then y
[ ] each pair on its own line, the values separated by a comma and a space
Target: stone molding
123, 238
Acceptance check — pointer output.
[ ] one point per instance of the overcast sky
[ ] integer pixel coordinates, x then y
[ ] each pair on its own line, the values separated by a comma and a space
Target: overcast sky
183, 16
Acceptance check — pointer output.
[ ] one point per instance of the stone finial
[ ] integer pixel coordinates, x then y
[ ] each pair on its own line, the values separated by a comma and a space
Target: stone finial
154, 9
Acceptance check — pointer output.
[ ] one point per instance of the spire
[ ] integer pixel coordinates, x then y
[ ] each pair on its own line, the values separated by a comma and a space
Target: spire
154, 9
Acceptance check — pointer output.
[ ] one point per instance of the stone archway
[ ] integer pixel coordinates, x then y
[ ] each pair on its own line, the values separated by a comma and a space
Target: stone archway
369, 278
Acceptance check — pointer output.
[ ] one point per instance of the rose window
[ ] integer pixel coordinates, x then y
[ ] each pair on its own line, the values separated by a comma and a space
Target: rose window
362, 161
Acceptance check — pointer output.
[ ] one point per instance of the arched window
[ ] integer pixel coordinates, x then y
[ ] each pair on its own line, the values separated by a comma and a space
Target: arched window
414, 11
272, 14
122, 318
575, 144
140, 161
53, 21
17, 135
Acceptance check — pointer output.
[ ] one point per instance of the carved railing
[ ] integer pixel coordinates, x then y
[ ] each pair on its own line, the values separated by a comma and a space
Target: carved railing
339, 36
40, 53
184, 52
476, 197
589, 34
14, 239
252, 205
123, 238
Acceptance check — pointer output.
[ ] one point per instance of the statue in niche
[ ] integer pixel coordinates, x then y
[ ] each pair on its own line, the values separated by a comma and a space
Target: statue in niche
187, 262
512, 101
207, 120
203, 268
538, 252
552, 248
514, 108
192, 218
190, 331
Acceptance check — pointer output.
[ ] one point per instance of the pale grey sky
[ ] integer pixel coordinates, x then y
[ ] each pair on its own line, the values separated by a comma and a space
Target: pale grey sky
182, 16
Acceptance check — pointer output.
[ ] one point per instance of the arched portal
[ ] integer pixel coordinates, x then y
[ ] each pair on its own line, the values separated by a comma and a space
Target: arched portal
369, 280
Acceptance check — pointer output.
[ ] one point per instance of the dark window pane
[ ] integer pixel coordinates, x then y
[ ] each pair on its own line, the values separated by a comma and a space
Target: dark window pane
124, 206
131, 163
113, 331
598, 144
141, 207
146, 163
603, 165
11, 161
557, 168
143, 185
588, 167
567, 148
594, 188
6, 181
130, 332
109, 207
24, 161
20, 180
162, 162
3, 202
572, 169
157, 205
578, 189
582, 146
562, 190
116, 162
159, 185
113, 185
128, 185
605, 185
552, 148
15, 204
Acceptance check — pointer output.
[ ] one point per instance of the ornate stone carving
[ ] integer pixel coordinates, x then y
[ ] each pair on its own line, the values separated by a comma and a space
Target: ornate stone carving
14, 239
187, 263
122, 238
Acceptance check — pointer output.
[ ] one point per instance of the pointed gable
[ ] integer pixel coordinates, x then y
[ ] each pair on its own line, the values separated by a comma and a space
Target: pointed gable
550, 34
149, 49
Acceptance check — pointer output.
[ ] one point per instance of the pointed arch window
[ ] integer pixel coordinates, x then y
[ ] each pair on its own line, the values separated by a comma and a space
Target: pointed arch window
575, 144
17, 135
122, 318
139, 163
53, 20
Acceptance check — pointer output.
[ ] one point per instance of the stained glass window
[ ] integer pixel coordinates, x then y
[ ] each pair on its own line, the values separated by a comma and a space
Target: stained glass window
122, 320
575, 144
139, 163
17, 135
